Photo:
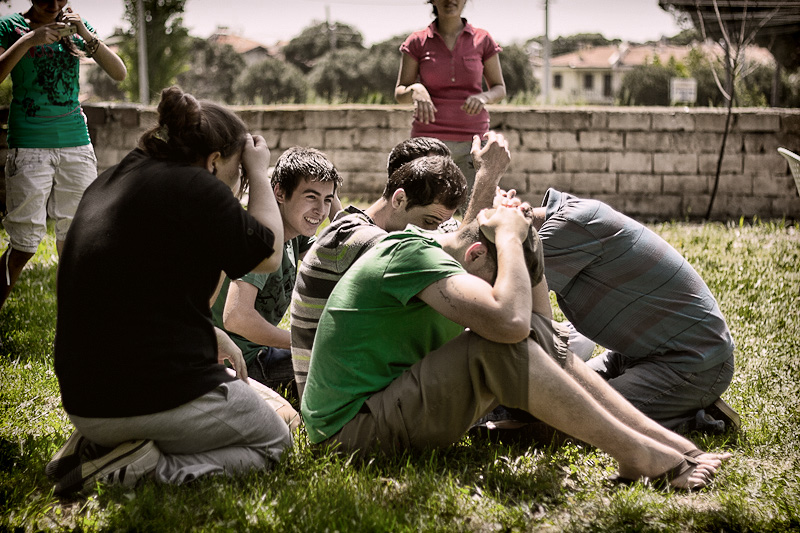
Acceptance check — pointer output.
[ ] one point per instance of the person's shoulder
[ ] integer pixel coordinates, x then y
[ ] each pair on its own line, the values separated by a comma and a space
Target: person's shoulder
9, 22
346, 226
13, 18
419, 36
469, 28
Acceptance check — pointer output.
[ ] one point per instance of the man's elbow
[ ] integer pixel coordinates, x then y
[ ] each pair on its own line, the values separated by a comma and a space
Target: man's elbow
517, 331
511, 331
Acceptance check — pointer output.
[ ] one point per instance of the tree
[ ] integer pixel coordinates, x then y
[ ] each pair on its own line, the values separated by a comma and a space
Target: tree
573, 43
168, 45
317, 40
380, 66
685, 37
517, 72
339, 76
103, 87
271, 82
646, 85
213, 71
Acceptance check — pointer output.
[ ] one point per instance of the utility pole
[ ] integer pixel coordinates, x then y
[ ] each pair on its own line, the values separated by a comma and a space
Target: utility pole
331, 34
144, 82
546, 84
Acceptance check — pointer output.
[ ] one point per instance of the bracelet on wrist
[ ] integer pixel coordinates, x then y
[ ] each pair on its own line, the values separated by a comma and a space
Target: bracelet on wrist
91, 46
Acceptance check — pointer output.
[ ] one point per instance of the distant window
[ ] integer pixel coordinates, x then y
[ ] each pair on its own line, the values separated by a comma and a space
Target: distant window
588, 82
557, 81
607, 85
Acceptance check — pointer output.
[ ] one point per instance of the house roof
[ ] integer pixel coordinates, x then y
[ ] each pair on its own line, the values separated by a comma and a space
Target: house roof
628, 56
241, 45
595, 57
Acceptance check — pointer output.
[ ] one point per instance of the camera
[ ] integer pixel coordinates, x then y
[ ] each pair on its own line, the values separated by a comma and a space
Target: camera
69, 29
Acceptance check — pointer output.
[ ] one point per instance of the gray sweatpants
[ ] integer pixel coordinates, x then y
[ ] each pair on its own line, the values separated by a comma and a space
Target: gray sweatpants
228, 430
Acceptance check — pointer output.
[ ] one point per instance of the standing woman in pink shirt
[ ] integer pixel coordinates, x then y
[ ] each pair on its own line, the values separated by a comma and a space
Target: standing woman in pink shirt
441, 73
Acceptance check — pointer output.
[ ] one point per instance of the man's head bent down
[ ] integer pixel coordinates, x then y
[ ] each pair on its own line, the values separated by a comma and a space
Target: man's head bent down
424, 192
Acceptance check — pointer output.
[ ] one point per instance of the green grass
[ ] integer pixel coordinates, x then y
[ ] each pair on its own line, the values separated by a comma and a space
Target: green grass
752, 267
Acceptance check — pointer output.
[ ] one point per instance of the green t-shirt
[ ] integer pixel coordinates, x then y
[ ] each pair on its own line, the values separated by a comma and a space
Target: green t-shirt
374, 328
274, 293
45, 111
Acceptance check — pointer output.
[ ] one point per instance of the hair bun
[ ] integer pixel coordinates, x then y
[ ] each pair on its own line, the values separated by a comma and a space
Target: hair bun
179, 111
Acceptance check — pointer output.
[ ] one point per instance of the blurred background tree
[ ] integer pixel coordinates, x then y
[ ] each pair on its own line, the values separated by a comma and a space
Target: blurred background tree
213, 70
317, 40
168, 46
271, 81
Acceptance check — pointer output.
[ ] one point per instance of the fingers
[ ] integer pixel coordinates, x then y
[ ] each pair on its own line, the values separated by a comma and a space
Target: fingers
425, 111
515, 220
476, 146
473, 105
507, 199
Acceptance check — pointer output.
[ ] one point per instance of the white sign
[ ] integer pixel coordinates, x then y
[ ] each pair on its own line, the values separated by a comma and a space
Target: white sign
683, 90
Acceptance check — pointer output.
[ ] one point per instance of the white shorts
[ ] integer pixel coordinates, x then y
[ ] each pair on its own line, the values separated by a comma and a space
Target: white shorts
42, 182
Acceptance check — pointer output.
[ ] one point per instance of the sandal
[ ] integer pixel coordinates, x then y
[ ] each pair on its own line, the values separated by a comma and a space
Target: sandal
695, 453
662, 481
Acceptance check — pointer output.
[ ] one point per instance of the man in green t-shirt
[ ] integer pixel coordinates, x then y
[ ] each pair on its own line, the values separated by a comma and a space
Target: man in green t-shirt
392, 368
250, 308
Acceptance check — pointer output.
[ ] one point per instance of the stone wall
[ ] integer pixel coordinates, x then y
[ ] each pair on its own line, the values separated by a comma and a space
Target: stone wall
651, 163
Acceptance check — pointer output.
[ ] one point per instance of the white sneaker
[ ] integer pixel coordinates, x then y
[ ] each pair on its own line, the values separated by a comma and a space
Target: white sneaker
125, 465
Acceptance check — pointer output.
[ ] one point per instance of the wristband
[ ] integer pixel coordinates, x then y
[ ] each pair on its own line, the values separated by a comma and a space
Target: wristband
91, 46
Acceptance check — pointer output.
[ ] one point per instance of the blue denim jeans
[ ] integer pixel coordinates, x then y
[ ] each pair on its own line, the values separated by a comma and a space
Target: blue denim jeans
668, 396
273, 368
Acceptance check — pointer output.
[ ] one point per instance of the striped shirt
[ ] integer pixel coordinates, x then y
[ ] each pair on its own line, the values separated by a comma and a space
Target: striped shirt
338, 246
627, 289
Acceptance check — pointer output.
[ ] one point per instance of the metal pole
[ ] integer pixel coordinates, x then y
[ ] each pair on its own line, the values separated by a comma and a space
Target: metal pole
546, 87
144, 82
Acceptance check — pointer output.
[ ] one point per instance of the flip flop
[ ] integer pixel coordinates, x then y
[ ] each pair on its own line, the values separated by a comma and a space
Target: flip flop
695, 453
662, 481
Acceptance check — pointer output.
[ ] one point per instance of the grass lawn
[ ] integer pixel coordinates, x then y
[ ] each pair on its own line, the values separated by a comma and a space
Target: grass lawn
753, 268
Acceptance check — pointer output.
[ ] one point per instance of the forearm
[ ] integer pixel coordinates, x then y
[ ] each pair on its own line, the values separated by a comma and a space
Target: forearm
404, 94
264, 208
110, 62
255, 328
512, 287
540, 296
483, 192
495, 94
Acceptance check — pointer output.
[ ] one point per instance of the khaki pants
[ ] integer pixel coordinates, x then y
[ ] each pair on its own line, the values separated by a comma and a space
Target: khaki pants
438, 399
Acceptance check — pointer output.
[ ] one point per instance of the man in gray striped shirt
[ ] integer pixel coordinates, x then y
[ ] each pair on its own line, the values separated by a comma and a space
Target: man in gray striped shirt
669, 350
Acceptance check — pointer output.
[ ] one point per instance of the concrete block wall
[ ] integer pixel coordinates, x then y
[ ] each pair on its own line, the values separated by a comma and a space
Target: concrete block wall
651, 163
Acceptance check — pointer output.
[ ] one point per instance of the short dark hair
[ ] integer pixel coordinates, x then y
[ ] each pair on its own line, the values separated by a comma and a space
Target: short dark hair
531, 248
411, 149
298, 163
429, 179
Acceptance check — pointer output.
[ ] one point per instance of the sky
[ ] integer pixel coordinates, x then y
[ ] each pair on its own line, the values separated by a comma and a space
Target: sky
508, 21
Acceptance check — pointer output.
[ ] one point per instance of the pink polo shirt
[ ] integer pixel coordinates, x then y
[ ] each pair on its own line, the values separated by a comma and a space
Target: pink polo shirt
450, 78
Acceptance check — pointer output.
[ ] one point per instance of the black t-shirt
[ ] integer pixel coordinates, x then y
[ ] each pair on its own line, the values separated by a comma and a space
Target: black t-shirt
140, 262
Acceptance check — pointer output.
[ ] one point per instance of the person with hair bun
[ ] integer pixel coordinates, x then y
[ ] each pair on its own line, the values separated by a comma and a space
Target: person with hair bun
136, 354
50, 159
